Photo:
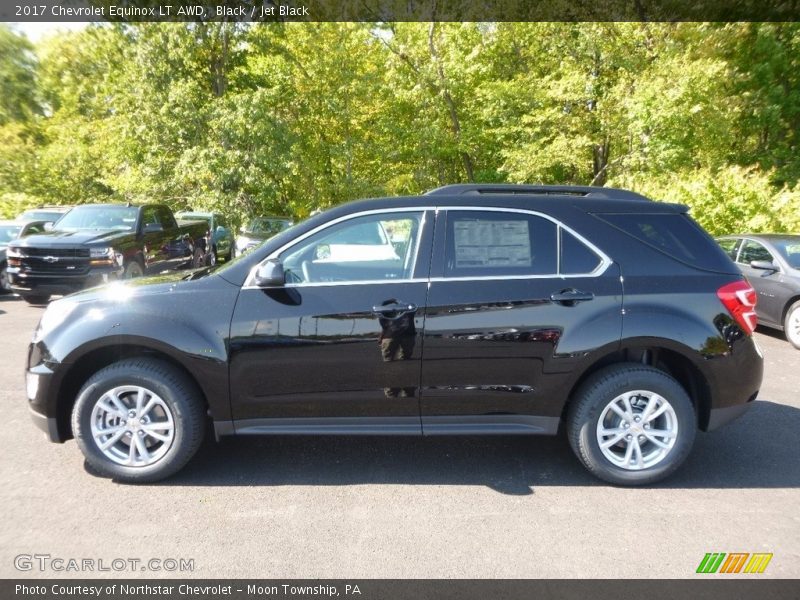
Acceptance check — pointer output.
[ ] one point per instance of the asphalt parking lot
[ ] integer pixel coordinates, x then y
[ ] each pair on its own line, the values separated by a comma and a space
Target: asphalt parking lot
406, 507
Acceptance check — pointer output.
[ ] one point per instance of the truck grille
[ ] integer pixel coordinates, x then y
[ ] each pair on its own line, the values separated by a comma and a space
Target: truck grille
59, 261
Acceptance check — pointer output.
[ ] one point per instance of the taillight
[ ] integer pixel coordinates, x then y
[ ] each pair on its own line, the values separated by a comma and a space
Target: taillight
739, 298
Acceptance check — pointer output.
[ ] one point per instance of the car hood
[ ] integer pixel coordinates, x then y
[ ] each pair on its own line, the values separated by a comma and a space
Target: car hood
71, 238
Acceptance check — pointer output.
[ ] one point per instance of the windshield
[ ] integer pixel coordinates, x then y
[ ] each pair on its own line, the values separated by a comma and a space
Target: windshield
790, 250
122, 218
8, 233
268, 226
41, 215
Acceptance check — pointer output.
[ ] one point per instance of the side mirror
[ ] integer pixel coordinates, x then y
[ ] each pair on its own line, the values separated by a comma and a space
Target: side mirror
270, 274
153, 228
48, 226
763, 265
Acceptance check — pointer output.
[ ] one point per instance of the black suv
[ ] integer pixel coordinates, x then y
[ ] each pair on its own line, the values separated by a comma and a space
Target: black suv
474, 309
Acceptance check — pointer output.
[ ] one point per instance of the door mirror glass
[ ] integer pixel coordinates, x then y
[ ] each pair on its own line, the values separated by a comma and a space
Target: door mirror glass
270, 274
763, 265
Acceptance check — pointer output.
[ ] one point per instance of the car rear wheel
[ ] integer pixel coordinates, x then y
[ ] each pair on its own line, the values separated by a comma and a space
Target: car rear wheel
631, 424
791, 325
138, 420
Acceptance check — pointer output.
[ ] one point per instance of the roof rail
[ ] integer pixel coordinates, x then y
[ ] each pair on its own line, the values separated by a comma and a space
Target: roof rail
554, 190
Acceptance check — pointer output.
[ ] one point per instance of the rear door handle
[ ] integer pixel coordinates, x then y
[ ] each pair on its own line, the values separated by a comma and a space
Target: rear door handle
571, 296
399, 308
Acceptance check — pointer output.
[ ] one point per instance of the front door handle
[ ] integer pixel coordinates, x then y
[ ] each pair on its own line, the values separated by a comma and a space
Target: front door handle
398, 308
571, 296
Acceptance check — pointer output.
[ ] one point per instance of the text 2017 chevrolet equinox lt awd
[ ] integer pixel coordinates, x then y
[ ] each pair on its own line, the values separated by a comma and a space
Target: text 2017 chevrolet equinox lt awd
473, 309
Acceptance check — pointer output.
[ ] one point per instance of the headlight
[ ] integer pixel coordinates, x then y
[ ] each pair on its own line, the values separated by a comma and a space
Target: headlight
12, 252
53, 316
103, 252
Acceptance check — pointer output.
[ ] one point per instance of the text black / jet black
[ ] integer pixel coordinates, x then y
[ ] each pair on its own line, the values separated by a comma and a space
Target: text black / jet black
474, 309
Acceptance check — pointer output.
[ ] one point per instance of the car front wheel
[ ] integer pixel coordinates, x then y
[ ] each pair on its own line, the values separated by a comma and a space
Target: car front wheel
5, 285
791, 325
631, 424
138, 420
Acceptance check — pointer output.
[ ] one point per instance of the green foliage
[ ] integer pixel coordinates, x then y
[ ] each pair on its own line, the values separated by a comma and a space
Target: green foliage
287, 118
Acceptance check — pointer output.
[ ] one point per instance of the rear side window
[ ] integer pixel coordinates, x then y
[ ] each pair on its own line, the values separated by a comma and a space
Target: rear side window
499, 243
673, 234
729, 246
576, 257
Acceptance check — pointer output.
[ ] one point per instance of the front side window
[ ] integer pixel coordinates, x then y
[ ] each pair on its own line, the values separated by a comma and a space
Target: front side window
369, 248
488, 243
790, 250
754, 251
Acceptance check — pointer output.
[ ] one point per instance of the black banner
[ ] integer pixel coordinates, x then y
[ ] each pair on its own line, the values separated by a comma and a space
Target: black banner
398, 10
419, 589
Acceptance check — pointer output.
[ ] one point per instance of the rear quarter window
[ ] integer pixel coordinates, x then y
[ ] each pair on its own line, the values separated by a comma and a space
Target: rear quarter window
673, 234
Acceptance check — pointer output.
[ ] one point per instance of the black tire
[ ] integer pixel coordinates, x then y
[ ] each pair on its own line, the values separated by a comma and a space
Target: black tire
176, 390
5, 285
597, 392
198, 258
133, 269
229, 255
36, 298
791, 324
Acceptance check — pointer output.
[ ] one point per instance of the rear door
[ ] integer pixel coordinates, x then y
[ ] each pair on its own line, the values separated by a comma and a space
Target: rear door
515, 301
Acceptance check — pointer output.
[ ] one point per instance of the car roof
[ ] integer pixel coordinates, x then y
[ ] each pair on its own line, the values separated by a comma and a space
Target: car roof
528, 201
767, 237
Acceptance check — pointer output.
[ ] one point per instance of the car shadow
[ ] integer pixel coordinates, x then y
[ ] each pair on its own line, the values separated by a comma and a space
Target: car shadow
760, 450
773, 333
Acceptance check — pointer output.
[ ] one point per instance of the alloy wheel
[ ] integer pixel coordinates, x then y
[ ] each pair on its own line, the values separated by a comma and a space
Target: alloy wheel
637, 430
132, 426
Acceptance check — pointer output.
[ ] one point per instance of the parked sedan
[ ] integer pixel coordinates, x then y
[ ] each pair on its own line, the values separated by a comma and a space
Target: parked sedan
771, 262
11, 230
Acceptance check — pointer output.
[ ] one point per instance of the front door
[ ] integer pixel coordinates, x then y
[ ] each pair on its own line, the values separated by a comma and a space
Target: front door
768, 284
515, 302
338, 348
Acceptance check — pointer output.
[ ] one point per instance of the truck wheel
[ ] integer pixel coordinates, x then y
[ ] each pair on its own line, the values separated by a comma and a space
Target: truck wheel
630, 424
133, 269
791, 325
36, 298
5, 285
138, 420
211, 259
198, 258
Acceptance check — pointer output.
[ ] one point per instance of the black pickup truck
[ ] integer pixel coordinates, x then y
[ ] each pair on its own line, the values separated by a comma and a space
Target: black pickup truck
95, 243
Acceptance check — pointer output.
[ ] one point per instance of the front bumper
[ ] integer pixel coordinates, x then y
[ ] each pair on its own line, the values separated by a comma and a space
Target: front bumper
38, 380
23, 283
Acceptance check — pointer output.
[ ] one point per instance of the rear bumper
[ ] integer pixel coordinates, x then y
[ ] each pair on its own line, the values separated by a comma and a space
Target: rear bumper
723, 416
737, 381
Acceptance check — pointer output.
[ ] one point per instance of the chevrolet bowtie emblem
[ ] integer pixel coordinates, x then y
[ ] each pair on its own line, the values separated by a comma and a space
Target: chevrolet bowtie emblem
50, 259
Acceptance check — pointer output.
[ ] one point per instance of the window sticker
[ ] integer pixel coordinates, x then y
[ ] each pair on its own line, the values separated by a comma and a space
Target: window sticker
492, 244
